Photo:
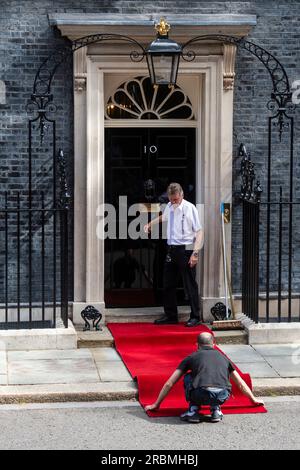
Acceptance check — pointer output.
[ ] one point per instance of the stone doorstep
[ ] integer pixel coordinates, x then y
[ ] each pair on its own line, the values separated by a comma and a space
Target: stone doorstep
118, 391
104, 339
141, 315
96, 339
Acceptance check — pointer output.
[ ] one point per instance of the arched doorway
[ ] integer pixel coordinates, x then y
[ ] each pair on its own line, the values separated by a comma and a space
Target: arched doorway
136, 157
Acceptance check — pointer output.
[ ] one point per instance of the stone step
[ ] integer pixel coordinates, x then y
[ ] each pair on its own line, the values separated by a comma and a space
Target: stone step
104, 339
50, 393
119, 391
143, 315
231, 337
94, 339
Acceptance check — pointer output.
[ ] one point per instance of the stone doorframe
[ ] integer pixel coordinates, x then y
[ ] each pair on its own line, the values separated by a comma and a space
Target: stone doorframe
214, 66
214, 173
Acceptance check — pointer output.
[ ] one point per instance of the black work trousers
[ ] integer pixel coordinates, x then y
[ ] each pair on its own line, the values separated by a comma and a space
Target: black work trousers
176, 264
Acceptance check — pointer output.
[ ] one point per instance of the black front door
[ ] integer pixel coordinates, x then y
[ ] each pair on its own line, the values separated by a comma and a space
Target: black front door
134, 267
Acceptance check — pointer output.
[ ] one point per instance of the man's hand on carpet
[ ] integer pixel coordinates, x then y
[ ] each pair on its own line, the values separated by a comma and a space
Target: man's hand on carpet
152, 407
258, 402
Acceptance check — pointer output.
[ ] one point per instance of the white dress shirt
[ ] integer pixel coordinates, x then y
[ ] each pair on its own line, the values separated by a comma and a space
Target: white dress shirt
183, 223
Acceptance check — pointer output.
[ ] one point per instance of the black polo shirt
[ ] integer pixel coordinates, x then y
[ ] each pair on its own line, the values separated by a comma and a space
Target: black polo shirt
209, 368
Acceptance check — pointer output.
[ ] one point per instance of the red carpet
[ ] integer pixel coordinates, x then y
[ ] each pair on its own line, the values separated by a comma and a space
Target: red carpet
152, 353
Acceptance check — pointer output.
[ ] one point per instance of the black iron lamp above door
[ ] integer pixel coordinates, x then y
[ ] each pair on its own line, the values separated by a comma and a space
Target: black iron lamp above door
163, 57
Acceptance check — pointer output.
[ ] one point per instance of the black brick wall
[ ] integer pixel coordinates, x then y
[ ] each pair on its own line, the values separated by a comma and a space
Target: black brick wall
26, 39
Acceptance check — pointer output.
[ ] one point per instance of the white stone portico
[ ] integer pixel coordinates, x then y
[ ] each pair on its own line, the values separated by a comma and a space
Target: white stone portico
208, 81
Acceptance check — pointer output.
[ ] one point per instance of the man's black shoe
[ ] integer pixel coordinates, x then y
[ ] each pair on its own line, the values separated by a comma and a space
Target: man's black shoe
191, 417
195, 418
193, 322
166, 321
216, 415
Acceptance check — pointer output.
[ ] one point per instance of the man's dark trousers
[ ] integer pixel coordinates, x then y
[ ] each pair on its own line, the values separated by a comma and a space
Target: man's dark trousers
176, 264
202, 396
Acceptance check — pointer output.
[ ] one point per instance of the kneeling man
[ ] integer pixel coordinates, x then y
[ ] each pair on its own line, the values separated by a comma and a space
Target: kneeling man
207, 381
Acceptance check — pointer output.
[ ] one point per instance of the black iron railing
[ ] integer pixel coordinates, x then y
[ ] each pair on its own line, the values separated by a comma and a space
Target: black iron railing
34, 252
271, 279
279, 266
270, 283
250, 195
250, 281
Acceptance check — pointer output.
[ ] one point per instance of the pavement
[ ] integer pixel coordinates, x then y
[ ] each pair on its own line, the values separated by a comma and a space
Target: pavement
97, 373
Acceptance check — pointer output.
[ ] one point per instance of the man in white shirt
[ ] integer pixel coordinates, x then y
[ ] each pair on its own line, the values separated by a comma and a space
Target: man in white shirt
185, 239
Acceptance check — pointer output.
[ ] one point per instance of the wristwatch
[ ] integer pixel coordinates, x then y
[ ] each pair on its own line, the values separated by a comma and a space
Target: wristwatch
195, 253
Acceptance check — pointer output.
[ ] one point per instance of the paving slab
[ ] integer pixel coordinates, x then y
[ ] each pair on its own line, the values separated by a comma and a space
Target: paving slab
49, 355
277, 349
52, 371
287, 366
3, 362
99, 373
112, 371
241, 353
105, 354
3, 379
258, 369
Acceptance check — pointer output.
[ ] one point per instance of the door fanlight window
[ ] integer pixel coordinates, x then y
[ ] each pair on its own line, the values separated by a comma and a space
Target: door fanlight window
138, 99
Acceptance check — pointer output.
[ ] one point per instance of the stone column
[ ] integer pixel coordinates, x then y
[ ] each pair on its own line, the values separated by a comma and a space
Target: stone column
95, 186
217, 176
89, 184
79, 173
229, 54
